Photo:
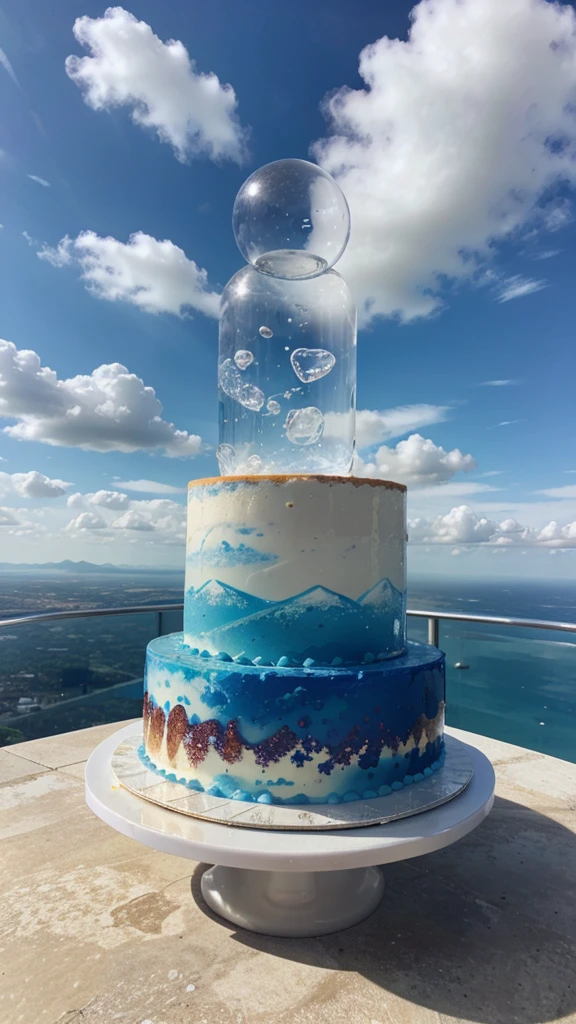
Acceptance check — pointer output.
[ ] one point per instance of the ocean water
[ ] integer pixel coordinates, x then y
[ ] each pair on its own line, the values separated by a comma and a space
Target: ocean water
520, 685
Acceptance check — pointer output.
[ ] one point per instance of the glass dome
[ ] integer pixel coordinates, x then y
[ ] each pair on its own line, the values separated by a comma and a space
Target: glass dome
291, 220
286, 375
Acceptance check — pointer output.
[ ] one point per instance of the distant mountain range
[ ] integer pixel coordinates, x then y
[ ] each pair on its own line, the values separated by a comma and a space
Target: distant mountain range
81, 567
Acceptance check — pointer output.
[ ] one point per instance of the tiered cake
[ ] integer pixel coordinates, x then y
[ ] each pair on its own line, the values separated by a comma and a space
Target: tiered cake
293, 682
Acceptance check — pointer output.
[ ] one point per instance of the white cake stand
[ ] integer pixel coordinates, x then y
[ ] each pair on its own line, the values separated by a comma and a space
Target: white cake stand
287, 883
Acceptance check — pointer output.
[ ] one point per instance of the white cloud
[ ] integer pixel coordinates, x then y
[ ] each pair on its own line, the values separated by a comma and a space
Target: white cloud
86, 521
8, 68
450, 146
517, 287
7, 517
32, 485
109, 499
497, 383
463, 526
150, 487
374, 427
107, 410
417, 460
131, 520
130, 66
568, 491
154, 275
547, 254
39, 181
58, 256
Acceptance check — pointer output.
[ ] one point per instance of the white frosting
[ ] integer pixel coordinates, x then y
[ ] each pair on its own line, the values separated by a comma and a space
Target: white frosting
297, 533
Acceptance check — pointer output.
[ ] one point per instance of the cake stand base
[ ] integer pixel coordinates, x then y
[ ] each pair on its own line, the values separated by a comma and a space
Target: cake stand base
287, 883
293, 904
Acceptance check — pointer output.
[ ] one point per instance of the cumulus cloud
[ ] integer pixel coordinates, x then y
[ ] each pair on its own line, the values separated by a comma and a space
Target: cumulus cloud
7, 517
32, 485
86, 521
131, 67
450, 147
162, 519
417, 460
109, 499
463, 526
154, 275
110, 409
131, 520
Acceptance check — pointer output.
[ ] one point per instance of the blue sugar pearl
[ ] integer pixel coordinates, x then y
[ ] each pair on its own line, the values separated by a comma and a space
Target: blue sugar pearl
427, 772
369, 794
222, 656
186, 701
435, 766
257, 660
337, 661
384, 791
369, 658
265, 798
205, 654
350, 796
333, 798
300, 798
241, 794
408, 780
309, 663
242, 660
382, 656
171, 777
194, 650
397, 785
418, 777
283, 662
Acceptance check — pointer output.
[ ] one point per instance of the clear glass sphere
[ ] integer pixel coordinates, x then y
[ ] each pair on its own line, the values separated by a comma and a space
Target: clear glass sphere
291, 220
286, 375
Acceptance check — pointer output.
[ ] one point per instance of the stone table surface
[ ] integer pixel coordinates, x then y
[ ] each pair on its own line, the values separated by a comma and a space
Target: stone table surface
97, 928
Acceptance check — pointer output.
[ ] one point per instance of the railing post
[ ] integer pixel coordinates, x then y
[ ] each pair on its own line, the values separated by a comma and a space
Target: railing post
160, 630
434, 631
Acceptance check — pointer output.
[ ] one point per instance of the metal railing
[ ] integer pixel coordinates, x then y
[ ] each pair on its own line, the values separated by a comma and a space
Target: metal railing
434, 618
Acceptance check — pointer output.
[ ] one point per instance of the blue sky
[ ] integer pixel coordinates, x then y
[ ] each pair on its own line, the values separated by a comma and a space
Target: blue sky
456, 150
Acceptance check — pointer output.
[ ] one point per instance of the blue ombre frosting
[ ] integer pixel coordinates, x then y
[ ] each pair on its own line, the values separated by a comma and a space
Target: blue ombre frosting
318, 624
293, 735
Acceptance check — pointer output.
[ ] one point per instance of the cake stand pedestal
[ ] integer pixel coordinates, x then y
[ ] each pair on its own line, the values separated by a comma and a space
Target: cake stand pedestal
287, 883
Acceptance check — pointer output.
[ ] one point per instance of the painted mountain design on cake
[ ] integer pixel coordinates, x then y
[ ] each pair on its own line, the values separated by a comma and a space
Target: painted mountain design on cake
383, 597
318, 624
216, 604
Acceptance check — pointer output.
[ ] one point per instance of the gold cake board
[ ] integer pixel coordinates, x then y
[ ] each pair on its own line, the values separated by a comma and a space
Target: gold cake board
437, 789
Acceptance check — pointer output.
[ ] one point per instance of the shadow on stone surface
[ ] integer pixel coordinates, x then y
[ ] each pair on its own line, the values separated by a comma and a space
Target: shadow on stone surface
484, 930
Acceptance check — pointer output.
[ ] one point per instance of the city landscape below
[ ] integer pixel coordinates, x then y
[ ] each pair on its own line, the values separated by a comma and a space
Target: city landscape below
518, 685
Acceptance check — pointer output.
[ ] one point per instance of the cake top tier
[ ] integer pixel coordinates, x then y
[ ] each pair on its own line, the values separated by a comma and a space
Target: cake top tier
292, 568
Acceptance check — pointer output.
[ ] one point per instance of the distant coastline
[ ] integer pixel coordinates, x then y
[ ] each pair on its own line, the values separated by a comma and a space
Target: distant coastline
104, 568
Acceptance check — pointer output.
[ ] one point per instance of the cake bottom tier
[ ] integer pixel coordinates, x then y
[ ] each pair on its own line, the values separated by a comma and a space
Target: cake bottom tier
292, 735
